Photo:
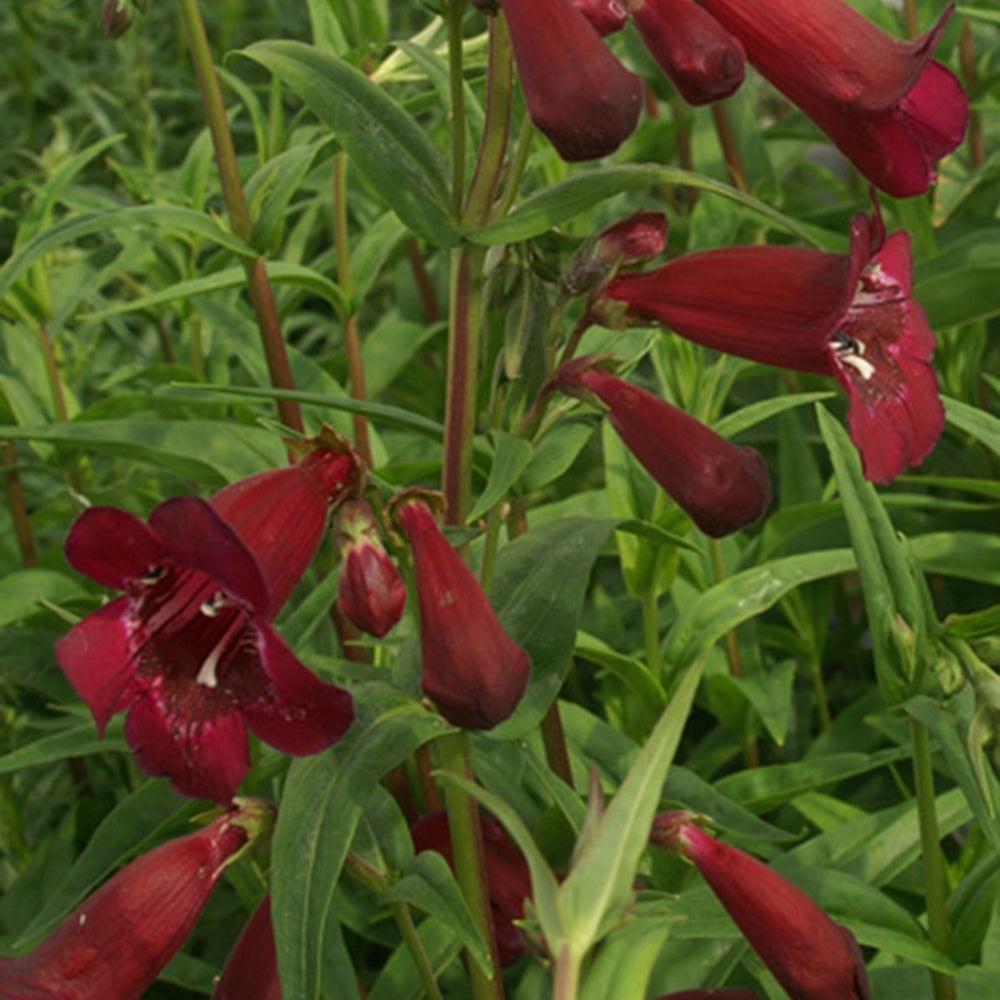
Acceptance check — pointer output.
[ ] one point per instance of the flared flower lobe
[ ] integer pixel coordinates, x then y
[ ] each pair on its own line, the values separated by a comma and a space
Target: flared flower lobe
578, 94
811, 956
472, 669
722, 486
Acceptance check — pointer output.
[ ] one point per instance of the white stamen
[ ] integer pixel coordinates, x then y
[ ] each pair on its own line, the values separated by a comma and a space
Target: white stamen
206, 675
864, 368
81, 920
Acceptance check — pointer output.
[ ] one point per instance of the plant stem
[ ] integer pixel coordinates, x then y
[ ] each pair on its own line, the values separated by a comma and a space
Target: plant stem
911, 18
377, 883
470, 860
258, 284
935, 884
730, 149
565, 975
18, 508
967, 61
352, 334
651, 626
454, 15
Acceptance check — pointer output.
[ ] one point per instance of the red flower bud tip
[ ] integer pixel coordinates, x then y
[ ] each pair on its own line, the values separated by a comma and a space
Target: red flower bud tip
721, 486
371, 594
811, 956
607, 16
891, 110
703, 61
723, 993
634, 240
251, 972
507, 875
189, 651
114, 945
578, 94
472, 669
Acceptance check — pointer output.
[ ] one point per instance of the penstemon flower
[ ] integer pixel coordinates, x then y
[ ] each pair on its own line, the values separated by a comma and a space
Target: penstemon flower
722, 486
117, 941
846, 315
472, 669
811, 956
188, 651
251, 971
891, 110
578, 94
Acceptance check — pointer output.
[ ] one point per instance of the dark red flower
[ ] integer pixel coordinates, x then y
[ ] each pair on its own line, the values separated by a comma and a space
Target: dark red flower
721, 486
507, 876
251, 971
371, 592
846, 315
188, 651
607, 16
703, 61
576, 91
811, 956
116, 18
892, 111
637, 239
115, 943
472, 669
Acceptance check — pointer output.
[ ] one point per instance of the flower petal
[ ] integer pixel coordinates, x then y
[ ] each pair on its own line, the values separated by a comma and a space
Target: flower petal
96, 657
196, 740
296, 712
113, 547
199, 539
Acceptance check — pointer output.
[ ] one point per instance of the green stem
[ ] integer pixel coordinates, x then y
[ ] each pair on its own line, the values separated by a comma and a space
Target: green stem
822, 703
565, 975
17, 505
454, 15
470, 861
935, 883
651, 626
377, 883
730, 148
258, 284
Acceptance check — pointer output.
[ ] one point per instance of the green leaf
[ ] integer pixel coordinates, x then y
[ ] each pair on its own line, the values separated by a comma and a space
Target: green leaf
538, 589
510, 457
171, 219
382, 140
600, 881
320, 809
23, 591
428, 884
743, 596
981, 425
556, 203
624, 962
959, 284
892, 601
631, 672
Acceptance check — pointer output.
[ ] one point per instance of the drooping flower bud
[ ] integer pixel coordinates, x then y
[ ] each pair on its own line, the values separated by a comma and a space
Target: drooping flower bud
251, 971
637, 239
115, 943
584, 100
703, 61
507, 875
472, 669
811, 956
371, 593
721, 486
607, 16
117, 18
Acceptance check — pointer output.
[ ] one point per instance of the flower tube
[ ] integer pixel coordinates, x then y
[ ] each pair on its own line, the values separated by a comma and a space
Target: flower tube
846, 315
472, 669
115, 943
891, 110
578, 94
811, 956
723, 487
188, 651
251, 971
703, 61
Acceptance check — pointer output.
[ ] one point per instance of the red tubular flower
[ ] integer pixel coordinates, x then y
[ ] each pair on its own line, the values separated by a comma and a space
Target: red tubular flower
115, 943
811, 956
846, 315
607, 16
188, 650
892, 111
721, 486
704, 62
371, 593
507, 875
577, 92
472, 670
251, 971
